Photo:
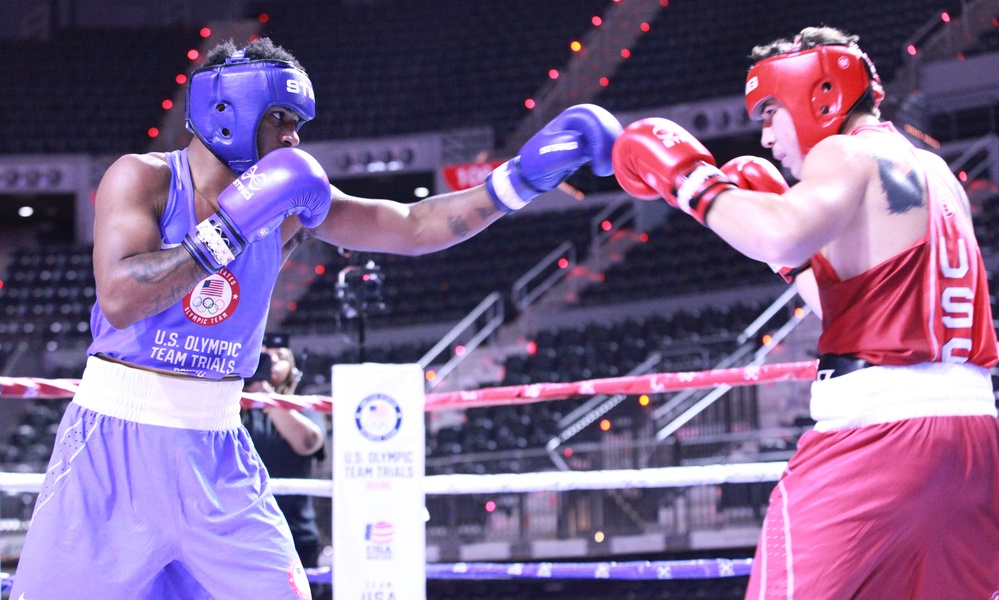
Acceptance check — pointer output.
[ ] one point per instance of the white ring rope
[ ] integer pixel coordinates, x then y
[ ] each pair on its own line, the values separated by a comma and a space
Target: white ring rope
664, 477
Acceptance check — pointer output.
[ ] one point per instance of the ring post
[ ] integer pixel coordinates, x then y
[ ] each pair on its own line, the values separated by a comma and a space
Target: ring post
379, 530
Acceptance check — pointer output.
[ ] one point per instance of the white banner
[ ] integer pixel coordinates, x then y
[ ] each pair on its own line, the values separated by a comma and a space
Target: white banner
379, 531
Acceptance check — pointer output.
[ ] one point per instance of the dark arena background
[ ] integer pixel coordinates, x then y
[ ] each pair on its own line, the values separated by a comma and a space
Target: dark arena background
417, 97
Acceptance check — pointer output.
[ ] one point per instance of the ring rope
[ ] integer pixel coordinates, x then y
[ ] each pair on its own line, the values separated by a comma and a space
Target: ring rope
628, 570
513, 483
655, 383
663, 570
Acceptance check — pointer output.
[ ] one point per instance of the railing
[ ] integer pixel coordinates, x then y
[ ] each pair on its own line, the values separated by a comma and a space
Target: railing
592, 410
548, 272
618, 216
491, 310
976, 158
692, 409
938, 39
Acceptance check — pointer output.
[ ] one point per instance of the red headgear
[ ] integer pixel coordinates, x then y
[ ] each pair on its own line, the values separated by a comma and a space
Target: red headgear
819, 87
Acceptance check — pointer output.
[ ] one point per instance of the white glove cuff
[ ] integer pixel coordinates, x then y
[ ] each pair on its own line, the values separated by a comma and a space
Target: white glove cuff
693, 184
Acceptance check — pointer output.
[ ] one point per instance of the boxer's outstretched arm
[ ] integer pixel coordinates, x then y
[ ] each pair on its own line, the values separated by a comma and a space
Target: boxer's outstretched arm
581, 134
432, 224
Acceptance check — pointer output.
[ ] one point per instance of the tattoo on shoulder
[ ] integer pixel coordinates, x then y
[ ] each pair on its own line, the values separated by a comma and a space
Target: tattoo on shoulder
904, 191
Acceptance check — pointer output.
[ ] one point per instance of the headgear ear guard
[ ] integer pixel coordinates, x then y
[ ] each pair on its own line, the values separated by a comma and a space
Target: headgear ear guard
819, 86
226, 102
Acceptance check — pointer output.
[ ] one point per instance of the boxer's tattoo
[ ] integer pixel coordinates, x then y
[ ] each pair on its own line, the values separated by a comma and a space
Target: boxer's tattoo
903, 192
160, 267
485, 212
459, 227
302, 235
161, 302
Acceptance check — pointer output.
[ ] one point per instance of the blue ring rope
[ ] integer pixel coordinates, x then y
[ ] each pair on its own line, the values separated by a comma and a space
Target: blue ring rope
662, 570
632, 570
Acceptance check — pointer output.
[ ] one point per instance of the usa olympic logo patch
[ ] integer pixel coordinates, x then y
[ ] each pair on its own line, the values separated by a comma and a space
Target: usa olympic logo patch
298, 580
213, 299
378, 417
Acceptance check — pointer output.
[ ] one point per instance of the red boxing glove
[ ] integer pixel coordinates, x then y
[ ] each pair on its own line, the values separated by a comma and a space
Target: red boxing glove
755, 174
760, 175
657, 158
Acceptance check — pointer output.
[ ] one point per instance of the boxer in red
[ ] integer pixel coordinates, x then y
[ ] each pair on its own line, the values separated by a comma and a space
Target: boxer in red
895, 493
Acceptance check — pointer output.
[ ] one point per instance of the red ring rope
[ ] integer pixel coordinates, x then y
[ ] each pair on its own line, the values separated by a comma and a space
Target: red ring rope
655, 383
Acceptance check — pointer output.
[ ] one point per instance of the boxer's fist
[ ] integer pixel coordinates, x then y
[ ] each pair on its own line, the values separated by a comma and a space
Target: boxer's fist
760, 175
657, 158
580, 134
755, 174
286, 181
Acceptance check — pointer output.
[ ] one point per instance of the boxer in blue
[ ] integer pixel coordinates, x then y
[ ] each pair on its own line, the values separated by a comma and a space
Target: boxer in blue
154, 490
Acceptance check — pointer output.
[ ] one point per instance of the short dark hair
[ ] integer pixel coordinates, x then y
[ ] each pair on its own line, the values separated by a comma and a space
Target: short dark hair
262, 48
810, 37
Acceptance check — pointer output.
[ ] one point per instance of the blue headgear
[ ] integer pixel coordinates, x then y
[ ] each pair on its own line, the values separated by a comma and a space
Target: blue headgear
226, 102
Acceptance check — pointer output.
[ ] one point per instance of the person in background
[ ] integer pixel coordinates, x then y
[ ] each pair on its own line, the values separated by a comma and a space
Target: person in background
290, 442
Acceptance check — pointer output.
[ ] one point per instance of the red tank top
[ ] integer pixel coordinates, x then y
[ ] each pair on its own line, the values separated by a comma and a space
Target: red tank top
927, 303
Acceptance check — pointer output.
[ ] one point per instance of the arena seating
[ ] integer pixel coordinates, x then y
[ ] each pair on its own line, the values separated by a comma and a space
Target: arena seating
680, 257
445, 286
46, 296
586, 351
91, 92
391, 68
672, 63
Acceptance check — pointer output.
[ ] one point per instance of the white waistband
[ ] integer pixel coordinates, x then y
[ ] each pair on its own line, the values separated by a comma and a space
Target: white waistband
886, 394
123, 392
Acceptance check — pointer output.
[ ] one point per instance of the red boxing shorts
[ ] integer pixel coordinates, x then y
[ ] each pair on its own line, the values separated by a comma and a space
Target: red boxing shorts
906, 509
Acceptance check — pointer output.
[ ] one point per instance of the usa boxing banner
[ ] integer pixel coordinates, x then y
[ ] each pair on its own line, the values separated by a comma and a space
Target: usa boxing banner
379, 535
468, 175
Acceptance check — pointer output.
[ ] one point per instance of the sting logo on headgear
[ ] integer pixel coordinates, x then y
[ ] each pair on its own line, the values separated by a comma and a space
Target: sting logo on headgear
819, 87
226, 102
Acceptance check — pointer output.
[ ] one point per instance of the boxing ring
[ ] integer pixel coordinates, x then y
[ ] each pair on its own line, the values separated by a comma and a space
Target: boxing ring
508, 483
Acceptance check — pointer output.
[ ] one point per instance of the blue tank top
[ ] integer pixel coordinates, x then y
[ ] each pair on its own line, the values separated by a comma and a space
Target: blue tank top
218, 328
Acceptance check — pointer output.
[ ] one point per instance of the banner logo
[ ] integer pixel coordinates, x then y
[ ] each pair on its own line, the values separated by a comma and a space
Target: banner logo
468, 175
378, 417
378, 537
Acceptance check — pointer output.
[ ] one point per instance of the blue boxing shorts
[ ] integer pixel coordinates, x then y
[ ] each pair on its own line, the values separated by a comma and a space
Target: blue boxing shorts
154, 490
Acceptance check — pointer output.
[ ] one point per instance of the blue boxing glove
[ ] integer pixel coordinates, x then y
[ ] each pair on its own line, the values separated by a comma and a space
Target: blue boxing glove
286, 181
578, 135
